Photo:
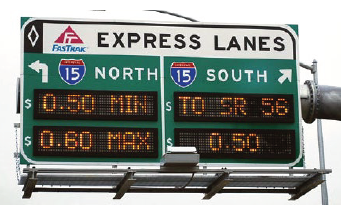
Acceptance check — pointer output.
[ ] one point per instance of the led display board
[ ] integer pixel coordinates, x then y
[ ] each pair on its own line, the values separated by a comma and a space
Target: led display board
233, 107
95, 142
95, 105
118, 92
239, 143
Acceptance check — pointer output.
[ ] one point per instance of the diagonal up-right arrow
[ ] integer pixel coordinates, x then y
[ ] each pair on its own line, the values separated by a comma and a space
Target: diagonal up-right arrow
286, 74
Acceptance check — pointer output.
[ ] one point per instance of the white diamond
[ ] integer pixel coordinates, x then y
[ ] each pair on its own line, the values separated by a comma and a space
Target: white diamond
33, 41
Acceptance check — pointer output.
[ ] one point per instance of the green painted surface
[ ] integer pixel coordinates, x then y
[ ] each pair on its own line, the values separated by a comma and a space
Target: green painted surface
164, 85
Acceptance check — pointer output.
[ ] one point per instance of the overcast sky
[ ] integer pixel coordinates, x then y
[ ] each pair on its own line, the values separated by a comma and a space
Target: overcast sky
319, 38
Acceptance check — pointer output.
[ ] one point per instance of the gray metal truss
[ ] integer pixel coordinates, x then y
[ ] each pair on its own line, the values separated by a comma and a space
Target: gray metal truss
295, 182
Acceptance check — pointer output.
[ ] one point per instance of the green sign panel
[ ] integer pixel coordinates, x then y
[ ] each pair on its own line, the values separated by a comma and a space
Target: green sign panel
123, 92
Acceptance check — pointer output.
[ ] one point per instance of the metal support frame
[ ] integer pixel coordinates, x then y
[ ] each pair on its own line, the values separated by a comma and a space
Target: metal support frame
30, 183
217, 185
324, 191
124, 185
295, 182
307, 186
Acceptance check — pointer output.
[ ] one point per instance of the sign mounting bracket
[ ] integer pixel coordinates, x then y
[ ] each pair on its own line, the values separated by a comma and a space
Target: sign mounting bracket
30, 183
217, 185
310, 184
125, 184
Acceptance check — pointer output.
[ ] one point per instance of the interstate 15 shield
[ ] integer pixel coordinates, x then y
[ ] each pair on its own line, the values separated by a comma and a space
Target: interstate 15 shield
183, 73
71, 71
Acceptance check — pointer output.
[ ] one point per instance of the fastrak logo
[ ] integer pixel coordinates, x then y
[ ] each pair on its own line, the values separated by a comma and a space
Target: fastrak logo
68, 42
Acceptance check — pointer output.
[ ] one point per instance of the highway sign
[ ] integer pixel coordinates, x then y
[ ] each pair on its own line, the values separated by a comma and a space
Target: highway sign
117, 92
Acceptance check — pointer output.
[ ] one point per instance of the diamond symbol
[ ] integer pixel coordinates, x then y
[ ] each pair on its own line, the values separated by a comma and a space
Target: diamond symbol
33, 36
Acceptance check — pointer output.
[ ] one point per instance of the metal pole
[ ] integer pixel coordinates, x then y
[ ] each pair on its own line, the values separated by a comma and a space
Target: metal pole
324, 191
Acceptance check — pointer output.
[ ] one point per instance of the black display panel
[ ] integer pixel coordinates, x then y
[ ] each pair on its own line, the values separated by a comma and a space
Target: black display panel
238, 143
225, 107
95, 142
95, 105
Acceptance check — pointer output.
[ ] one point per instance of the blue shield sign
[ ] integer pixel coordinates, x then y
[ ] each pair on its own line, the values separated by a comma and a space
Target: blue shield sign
72, 71
183, 73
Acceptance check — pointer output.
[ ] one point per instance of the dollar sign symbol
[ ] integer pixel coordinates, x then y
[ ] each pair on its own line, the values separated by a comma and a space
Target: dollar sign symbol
27, 141
28, 103
169, 142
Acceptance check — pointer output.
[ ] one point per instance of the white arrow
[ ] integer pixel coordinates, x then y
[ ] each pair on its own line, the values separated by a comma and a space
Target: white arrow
37, 66
287, 74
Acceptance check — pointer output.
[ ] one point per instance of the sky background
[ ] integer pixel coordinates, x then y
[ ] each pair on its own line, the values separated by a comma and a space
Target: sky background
319, 38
